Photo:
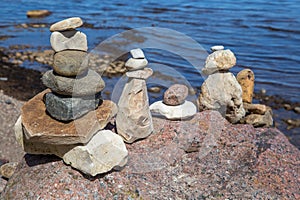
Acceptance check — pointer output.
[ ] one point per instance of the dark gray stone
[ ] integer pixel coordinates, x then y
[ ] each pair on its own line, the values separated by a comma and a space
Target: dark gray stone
84, 85
69, 108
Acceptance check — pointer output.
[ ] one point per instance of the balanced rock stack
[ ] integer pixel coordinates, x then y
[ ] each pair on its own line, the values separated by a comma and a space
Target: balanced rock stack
68, 119
75, 88
174, 105
256, 114
134, 120
221, 91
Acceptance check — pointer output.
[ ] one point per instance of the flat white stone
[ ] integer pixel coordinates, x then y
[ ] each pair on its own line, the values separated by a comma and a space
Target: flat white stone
217, 48
140, 74
105, 151
137, 53
135, 64
67, 24
183, 111
68, 40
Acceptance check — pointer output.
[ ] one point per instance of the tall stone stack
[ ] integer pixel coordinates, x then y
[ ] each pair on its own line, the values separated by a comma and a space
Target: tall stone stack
68, 119
134, 120
221, 91
75, 88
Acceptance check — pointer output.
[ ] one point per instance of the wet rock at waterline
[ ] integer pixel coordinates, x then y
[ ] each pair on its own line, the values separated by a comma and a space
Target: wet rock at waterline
222, 92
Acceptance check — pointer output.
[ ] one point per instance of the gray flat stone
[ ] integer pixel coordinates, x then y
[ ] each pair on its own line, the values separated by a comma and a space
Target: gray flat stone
70, 62
69, 108
84, 85
68, 40
67, 24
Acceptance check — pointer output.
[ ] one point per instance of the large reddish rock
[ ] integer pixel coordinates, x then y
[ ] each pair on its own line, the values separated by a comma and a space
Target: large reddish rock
202, 158
38, 126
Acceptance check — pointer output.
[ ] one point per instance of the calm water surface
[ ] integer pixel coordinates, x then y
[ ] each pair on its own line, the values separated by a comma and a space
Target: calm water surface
264, 35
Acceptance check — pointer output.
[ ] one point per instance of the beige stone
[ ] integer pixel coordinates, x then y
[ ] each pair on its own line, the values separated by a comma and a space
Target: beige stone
221, 60
67, 24
105, 151
265, 120
222, 92
8, 169
68, 40
255, 108
140, 74
37, 13
134, 120
38, 126
246, 80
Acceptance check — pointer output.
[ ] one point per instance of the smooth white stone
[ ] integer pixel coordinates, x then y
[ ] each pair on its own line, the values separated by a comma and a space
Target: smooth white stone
135, 64
137, 53
67, 24
105, 151
183, 111
217, 48
68, 40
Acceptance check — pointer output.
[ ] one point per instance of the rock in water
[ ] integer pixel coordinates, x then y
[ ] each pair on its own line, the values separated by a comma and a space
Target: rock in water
38, 13
70, 63
134, 120
246, 80
68, 40
69, 108
176, 95
183, 111
221, 60
222, 92
105, 151
83, 85
67, 24
38, 126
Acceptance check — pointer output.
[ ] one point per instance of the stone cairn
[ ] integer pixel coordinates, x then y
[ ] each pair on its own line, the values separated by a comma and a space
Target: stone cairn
68, 119
174, 105
231, 96
134, 120
221, 91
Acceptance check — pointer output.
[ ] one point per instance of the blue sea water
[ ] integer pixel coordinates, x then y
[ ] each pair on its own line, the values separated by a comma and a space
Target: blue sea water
264, 35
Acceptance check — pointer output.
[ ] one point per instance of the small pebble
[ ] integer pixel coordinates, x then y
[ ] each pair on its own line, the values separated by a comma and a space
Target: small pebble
217, 48
287, 106
154, 89
8, 101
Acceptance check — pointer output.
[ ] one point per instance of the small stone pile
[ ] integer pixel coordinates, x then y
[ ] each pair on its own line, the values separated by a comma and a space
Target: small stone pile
221, 91
68, 119
256, 114
134, 120
174, 105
